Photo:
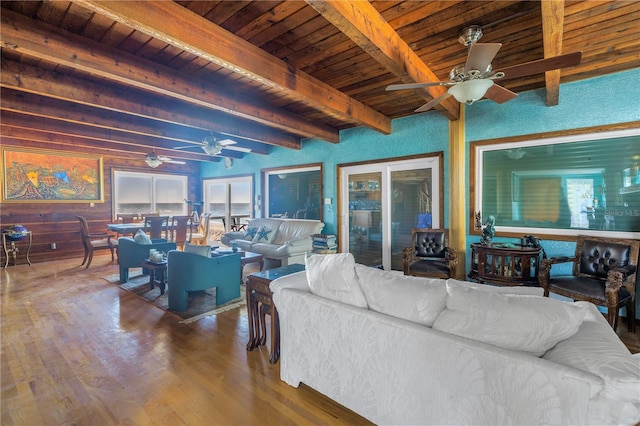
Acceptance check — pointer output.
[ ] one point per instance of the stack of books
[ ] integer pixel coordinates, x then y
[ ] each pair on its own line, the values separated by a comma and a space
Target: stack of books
324, 243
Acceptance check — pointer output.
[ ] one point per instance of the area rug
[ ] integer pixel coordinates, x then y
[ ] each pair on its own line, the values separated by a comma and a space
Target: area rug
200, 303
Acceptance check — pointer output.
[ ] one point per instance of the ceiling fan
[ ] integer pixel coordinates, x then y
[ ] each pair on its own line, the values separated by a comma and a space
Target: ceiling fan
476, 79
213, 146
154, 160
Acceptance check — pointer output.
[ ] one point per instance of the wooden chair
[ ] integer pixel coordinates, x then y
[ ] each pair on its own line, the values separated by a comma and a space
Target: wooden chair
95, 241
431, 255
180, 230
604, 273
156, 226
202, 233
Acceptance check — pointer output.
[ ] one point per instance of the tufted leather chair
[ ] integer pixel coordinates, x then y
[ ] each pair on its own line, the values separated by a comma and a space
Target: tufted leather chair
604, 273
430, 256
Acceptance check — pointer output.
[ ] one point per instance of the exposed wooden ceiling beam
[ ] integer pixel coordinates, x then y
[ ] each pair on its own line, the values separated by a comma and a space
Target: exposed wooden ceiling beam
25, 78
53, 141
178, 26
42, 41
552, 30
104, 137
38, 106
364, 25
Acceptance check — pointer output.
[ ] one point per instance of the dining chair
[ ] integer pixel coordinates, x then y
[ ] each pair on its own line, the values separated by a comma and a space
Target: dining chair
180, 234
95, 241
156, 226
202, 233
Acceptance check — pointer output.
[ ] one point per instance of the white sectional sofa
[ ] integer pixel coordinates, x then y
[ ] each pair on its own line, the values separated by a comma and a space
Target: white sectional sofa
282, 240
408, 350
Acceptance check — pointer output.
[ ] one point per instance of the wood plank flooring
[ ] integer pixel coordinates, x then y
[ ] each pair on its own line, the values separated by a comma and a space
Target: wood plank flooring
79, 350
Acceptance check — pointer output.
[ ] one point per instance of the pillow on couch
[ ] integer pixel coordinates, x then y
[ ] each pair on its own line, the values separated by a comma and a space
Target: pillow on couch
333, 276
250, 233
141, 237
597, 349
502, 289
415, 299
265, 234
529, 324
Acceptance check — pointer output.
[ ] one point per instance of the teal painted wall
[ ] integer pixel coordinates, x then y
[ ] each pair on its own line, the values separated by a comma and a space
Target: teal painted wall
604, 100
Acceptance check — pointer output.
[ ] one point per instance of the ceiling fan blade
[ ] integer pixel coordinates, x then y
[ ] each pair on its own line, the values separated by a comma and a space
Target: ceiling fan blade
168, 160
481, 55
237, 148
433, 103
499, 94
542, 65
225, 142
187, 147
417, 85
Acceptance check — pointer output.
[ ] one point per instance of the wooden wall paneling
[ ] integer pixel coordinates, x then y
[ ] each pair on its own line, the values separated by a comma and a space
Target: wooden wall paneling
57, 222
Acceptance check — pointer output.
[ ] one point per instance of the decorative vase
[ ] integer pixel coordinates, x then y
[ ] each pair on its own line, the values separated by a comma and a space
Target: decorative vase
15, 232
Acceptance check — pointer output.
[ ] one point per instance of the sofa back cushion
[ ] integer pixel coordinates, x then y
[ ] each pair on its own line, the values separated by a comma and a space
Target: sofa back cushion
333, 276
415, 299
597, 349
530, 324
291, 229
199, 250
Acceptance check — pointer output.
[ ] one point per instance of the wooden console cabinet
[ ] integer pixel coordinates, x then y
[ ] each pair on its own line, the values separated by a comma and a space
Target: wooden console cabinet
494, 263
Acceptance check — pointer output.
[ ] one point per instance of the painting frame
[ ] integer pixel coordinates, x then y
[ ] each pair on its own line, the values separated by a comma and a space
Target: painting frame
47, 176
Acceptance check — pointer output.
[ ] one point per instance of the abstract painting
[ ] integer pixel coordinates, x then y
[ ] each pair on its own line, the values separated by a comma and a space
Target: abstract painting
50, 176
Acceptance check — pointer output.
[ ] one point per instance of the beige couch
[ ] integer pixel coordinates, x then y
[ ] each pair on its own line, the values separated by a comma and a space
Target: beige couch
280, 241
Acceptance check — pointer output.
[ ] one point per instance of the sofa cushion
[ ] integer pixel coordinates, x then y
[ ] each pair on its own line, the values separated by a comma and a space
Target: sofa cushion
529, 324
295, 229
265, 234
415, 299
597, 349
250, 233
141, 237
333, 276
199, 250
502, 289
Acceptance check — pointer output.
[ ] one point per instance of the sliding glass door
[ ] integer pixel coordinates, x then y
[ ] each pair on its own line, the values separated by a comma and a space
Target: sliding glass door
382, 202
229, 200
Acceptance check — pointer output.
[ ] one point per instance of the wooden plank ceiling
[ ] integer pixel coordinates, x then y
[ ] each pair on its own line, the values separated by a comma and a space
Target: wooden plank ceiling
124, 77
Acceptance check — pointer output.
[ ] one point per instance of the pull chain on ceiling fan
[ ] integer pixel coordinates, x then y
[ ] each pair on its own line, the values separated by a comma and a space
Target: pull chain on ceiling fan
475, 79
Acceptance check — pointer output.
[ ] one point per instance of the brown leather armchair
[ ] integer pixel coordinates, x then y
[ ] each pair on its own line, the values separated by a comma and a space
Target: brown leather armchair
431, 255
604, 273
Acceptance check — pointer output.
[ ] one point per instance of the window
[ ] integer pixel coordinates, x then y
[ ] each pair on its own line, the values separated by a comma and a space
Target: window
294, 192
229, 199
149, 193
584, 181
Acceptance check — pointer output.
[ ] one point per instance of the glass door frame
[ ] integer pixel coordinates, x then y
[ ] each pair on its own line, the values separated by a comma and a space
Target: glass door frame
386, 167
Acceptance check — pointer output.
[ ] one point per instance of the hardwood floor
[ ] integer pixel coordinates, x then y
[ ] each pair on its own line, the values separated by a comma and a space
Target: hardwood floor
79, 350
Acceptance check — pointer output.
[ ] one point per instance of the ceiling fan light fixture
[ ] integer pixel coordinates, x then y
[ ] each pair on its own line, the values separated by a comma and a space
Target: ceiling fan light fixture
471, 90
152, 161
211, 149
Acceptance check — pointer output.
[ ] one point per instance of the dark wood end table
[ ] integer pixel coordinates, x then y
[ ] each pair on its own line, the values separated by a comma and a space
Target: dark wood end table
157, 273
260, 303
